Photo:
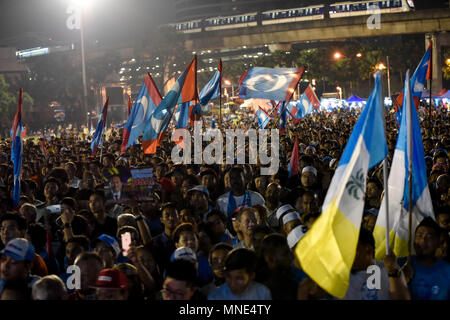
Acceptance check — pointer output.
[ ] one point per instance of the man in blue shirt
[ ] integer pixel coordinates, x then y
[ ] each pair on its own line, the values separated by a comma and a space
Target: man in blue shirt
431, 278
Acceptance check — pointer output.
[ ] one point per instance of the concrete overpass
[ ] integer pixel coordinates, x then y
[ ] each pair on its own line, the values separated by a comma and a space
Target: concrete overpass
435, 23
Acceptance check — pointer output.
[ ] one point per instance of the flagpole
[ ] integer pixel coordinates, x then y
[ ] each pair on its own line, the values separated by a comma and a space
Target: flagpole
431, 83
385, 177
410, 158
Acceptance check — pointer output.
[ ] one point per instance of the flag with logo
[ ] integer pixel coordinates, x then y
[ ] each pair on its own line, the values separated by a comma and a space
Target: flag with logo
146, 102
270, 83
96, 139
328, 249
408, 152
262, 117
184, 90
181, 117
16, 150
422, 73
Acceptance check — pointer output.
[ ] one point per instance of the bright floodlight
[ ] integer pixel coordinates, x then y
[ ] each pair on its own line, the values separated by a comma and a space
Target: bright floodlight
337, 55
381, 66
82, 3
359, 54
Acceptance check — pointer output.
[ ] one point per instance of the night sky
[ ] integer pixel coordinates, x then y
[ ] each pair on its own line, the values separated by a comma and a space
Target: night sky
106, 20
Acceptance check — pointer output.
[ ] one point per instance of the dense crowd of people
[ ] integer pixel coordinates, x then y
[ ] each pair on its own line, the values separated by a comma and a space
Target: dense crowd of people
201, 231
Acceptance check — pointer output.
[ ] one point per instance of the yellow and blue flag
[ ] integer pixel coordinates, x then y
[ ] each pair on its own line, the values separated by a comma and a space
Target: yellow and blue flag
408, 154
327, 251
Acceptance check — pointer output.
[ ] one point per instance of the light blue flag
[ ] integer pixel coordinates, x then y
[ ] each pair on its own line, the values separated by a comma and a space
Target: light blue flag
408, 154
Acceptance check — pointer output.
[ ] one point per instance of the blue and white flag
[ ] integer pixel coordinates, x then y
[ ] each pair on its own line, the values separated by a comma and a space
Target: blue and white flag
146, 102
304, 106
96, 139
211, 90
262, 117
16, 150
184, 90
421, 74
408, 154
270, 83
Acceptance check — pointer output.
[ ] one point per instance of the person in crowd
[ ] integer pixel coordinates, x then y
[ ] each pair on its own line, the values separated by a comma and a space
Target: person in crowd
180, 281
111, 284
16, 261
431, 275
240, 266
90, 265
49, 288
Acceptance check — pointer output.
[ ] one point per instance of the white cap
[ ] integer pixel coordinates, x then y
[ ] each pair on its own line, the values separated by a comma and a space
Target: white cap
290, 216
309, 169
282, 210
185, 253
295, 235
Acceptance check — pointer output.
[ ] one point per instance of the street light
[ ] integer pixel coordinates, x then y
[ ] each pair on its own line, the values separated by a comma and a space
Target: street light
75, 21
338, 55
229, 84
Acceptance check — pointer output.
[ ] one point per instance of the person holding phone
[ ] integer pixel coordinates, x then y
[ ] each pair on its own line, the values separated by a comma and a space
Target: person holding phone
128, 236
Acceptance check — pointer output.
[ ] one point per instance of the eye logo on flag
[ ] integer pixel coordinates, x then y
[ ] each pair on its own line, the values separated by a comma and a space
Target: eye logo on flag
266, 83
270, 83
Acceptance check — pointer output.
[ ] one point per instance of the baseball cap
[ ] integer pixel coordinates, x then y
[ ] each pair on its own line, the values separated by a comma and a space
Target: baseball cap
201, 189
281, 210
19, 249
110, 241
290, 216
309, 169
111, 279
184, 253
295, 235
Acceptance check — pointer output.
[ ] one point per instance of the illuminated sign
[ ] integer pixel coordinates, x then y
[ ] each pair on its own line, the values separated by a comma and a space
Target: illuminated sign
32, 52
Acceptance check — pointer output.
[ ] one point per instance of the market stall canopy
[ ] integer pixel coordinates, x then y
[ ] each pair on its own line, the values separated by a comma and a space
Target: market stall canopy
354, 98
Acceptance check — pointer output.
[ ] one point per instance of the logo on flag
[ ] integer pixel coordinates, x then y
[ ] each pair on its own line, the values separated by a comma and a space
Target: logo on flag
146, 102
184, 90
327, 251
270, 83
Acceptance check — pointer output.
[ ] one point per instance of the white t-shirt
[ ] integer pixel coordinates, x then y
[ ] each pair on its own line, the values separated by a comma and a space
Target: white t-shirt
358, 290
222, 201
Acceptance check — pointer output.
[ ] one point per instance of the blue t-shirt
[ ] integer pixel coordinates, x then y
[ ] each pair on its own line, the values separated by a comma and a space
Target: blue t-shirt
254, 291
430, 283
